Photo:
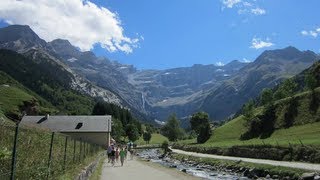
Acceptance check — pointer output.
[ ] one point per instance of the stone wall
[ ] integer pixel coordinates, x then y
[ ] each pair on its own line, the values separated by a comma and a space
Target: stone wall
86, 173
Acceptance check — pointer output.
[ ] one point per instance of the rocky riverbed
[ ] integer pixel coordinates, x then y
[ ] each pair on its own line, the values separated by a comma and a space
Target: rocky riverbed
221, 171
190, 167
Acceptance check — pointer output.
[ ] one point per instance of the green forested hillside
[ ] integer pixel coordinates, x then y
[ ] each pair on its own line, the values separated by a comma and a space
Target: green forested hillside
287, 114
294, 118
15, 98
305, 127
299, 142
5, 79
48, 79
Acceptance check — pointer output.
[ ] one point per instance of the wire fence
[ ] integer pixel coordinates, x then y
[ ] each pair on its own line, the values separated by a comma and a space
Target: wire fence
40, 154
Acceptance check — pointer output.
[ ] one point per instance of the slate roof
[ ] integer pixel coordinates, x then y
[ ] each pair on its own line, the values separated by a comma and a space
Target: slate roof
70, 123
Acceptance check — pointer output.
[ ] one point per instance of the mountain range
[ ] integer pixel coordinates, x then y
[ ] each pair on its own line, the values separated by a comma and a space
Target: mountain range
268, 70
154, 94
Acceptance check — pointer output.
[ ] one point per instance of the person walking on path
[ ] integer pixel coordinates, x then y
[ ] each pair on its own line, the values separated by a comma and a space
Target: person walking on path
131, 151
109, 153
117, 154
126, 151
122, 155
113, 154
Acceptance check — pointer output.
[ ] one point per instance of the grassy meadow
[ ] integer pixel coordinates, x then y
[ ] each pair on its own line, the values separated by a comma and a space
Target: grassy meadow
155, 139
305, 129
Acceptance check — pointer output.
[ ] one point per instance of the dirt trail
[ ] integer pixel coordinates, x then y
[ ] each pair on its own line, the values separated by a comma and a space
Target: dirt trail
140, 170
298, 165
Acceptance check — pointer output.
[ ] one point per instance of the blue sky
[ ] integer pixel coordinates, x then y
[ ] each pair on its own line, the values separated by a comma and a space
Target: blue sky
174, 33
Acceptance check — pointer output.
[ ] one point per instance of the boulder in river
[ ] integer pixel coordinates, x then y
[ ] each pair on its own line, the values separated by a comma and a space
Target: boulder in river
307, 176
268, 176
275, 176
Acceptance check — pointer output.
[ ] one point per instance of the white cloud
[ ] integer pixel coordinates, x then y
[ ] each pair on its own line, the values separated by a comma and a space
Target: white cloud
242, 11
230, 3
244, 6
257, 43
247, 4
313, 33
304, 33
81, 22
219, 64
258, 11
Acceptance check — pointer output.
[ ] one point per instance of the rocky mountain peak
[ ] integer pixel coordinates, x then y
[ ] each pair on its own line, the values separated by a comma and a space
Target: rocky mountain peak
235, 64
19, 38
15, 32
289, 53
65, 49
61, 43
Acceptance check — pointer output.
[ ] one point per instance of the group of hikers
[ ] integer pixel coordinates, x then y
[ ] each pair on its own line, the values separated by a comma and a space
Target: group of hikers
115, 152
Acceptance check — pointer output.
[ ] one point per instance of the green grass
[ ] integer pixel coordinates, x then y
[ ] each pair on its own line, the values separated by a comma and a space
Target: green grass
155, 139
306, 127
5, 79
308, 134
188, 141
33, 151
12, 98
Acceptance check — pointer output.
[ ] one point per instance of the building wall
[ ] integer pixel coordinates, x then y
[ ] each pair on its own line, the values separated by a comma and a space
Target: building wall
99, 138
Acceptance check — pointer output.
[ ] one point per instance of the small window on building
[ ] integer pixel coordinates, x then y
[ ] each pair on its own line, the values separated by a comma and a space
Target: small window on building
79, 125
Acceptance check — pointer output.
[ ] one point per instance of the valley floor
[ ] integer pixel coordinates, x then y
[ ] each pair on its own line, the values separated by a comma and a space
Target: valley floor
297, 165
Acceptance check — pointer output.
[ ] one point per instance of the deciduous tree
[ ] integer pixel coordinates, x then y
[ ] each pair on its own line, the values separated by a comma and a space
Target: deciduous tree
147, 136
200, 124
172, 129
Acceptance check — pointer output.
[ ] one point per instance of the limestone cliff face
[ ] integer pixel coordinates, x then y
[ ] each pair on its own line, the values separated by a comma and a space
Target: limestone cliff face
26, 42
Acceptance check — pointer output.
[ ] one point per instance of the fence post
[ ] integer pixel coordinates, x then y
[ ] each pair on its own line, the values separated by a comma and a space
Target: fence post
84, 150
50, 155
301, 142
14, 152
65, 153
87, 148
80, 150
74, 150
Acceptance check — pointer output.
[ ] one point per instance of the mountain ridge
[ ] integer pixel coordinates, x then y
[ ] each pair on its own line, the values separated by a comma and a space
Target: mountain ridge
269, 69
181, 90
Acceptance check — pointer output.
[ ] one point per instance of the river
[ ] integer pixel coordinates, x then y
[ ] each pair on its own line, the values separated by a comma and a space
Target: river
198, 170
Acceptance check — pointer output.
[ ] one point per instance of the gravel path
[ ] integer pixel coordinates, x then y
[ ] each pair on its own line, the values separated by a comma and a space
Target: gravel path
298, 165
140, 170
